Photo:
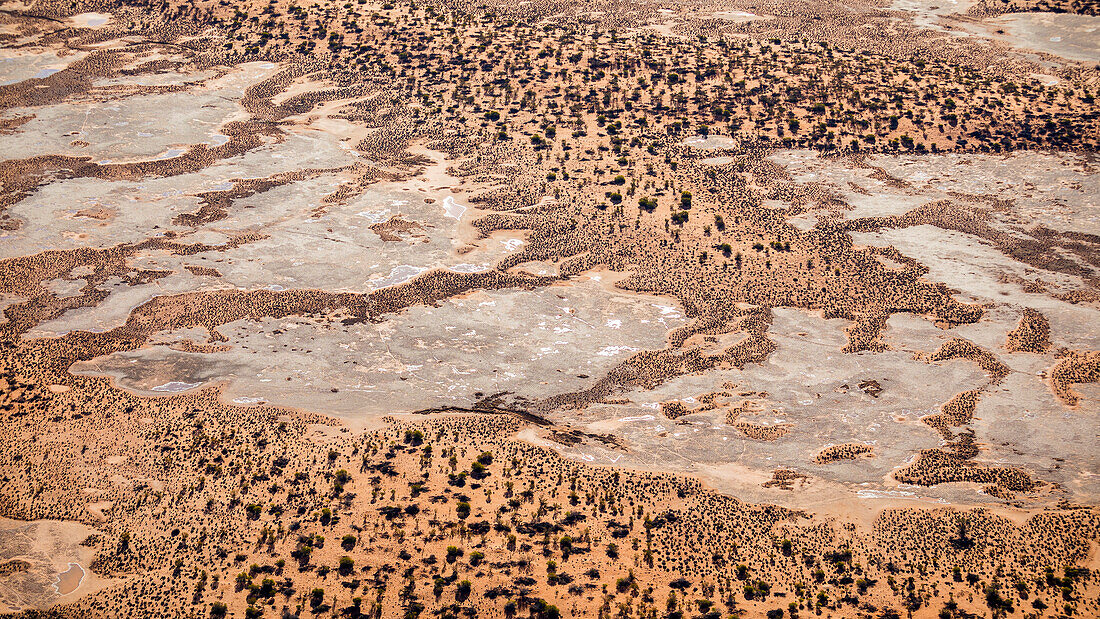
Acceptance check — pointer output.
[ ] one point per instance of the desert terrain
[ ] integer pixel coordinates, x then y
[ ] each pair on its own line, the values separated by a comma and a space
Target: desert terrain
723, 308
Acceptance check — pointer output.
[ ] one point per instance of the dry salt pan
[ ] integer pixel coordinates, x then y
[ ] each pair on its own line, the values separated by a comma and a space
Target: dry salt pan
175, 386
469, 268
91, 20
452, 209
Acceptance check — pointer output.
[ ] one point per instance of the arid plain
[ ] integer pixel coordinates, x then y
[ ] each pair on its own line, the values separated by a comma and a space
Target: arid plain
615, 309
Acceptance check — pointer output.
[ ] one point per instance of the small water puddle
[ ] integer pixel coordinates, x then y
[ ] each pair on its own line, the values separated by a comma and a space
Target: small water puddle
69, 580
